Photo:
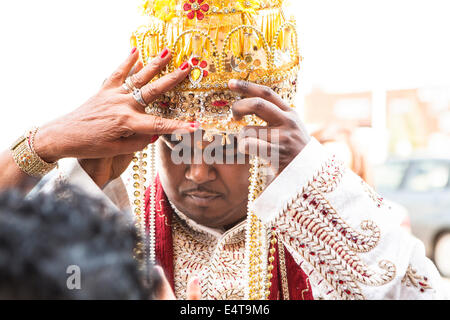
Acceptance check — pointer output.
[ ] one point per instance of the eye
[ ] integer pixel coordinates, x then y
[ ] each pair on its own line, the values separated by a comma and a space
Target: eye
171, 145
230, 150
233, 145
172, 141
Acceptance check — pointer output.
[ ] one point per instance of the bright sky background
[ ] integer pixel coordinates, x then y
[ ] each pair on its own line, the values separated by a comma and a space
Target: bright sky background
56, 53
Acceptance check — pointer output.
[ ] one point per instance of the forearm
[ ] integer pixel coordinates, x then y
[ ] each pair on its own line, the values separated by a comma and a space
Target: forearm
98, 170
11, 176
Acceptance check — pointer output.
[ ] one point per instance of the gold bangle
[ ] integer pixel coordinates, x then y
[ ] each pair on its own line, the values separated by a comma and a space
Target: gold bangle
27, 159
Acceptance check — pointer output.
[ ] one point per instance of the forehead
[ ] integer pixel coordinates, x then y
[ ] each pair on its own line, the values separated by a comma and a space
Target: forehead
196, 138
193, 148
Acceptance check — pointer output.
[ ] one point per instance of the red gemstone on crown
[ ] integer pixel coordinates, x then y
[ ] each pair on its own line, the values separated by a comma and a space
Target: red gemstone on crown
200, 15
191, 15
220, 103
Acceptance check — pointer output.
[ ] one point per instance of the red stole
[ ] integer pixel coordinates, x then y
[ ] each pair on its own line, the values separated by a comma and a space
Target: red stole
298, 283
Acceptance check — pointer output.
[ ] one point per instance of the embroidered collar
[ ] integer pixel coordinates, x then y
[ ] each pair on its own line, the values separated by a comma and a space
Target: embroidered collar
216, 233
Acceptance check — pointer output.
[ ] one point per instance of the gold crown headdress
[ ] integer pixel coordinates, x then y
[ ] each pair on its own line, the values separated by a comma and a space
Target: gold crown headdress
222, 40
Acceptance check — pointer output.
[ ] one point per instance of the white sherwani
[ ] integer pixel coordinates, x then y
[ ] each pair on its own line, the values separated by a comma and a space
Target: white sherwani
334, 225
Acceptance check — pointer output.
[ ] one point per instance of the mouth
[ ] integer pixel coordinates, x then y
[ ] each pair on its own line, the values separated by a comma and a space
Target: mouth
202, 198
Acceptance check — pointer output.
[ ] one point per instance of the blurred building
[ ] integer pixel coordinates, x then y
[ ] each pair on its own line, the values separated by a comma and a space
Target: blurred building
396, 122
347, 109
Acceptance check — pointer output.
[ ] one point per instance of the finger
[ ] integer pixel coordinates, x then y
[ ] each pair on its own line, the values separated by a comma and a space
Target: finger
136, 68
165, 291
153, 90
152, 125
119, 76
250, 89
264, 109
136, 143
271, 135
155, 67
193, 290
256, 147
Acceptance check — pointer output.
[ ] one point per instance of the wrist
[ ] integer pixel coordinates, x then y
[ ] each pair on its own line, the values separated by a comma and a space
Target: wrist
296, 149
45, 145
96, 169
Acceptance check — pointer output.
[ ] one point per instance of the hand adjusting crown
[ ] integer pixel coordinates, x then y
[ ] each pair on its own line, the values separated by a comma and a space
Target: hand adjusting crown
222, 40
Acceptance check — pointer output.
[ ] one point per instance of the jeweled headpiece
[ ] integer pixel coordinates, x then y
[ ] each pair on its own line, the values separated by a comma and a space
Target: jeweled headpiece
222, 40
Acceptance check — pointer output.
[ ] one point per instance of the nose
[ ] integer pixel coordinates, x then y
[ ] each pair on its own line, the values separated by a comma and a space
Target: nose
200, 173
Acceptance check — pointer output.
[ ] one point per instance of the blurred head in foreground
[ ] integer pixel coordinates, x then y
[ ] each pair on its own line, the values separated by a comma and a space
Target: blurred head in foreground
46, 240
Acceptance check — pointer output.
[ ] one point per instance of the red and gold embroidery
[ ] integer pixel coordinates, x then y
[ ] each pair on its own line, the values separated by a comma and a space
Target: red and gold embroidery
311, 225
218, 263
411, 278
372, 194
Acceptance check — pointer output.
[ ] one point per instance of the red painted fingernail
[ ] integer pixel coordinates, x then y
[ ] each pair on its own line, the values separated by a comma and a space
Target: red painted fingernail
134, 50
154, 139
184, 66
164, 53
195, 125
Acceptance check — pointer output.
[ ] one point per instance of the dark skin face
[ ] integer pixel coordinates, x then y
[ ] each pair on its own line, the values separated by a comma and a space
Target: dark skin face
214, 195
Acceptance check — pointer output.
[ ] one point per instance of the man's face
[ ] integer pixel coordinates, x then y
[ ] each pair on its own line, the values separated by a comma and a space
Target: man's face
213, 195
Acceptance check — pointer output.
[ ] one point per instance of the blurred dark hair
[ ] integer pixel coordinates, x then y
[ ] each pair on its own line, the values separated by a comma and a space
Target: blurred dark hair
42, 236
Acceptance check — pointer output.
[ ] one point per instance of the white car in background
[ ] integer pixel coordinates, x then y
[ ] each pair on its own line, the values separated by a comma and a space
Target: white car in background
422, 186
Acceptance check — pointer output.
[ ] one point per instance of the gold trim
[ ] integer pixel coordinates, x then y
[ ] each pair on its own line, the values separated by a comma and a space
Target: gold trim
305, 290
283, 271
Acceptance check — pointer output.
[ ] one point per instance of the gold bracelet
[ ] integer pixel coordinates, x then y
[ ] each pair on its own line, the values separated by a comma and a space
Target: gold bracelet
27, 159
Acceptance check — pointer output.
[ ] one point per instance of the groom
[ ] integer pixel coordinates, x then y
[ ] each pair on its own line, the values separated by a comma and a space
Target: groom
334, 238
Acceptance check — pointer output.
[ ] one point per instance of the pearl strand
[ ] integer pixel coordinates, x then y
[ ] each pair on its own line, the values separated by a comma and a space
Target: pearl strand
152, 211
248, 232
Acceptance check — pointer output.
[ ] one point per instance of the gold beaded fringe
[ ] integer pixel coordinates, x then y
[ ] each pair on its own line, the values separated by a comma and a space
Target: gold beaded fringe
258, 274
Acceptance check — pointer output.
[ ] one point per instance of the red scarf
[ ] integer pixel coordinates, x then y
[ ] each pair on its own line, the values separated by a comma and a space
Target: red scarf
298, 283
